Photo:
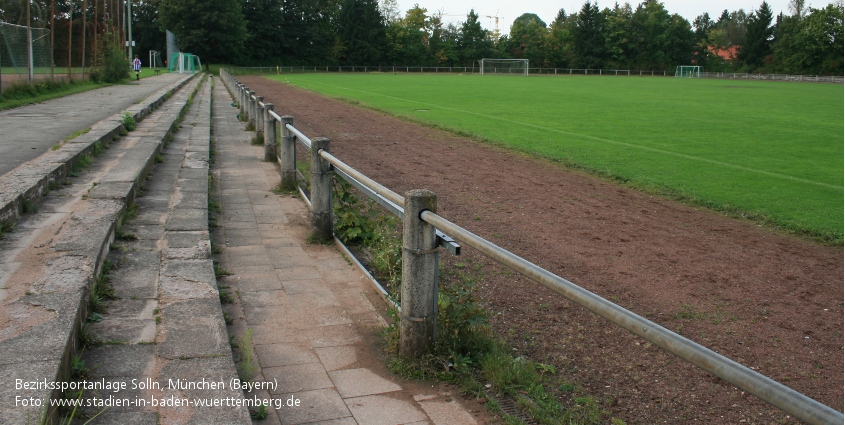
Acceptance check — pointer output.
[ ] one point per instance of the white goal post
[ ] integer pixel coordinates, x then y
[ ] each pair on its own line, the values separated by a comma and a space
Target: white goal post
688, 71
504, 66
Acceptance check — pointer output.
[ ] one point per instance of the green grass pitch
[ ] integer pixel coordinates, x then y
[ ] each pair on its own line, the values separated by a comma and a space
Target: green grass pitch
766, 150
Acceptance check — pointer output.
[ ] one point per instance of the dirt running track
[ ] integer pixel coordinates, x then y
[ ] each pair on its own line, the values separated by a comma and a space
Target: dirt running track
767, 300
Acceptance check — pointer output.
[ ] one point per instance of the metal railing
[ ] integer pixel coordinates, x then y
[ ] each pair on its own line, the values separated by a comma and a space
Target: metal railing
539, 71
424, 231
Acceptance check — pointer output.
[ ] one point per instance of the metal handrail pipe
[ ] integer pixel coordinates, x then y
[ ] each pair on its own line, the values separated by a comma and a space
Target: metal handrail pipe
301, 137
370, 183
275, 116
397, 210
768, 390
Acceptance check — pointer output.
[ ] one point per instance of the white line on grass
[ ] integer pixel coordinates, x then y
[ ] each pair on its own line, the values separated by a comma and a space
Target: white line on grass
587, 136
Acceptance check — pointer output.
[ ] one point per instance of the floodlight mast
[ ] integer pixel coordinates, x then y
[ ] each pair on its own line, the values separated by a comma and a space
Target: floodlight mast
129, 24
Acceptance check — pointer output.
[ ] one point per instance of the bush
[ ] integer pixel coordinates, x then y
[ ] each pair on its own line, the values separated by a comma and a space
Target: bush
115, 67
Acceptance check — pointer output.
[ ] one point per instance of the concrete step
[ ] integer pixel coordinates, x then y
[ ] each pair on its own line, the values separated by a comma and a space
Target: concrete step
49, 263
166, 329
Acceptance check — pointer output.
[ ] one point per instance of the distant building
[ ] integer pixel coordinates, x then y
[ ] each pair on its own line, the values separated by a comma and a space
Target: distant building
727, 53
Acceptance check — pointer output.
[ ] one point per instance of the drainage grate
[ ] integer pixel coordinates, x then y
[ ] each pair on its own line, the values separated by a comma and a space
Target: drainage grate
509, 406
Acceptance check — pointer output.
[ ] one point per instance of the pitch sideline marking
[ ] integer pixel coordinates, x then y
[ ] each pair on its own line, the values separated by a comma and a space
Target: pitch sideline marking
587, 136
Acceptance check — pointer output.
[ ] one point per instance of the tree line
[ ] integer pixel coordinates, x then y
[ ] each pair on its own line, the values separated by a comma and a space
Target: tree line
644, 36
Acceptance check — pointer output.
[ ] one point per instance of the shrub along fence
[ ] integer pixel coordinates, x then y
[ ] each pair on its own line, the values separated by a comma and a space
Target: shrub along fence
421, 240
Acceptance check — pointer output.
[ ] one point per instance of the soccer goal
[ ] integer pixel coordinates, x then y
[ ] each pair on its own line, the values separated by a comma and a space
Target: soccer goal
184, 63
155, 60
683, 71
19, 59
504, 66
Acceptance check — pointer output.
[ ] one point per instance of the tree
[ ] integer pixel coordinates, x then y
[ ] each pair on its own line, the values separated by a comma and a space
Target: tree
812, 45
265, 36
214, 30
408, 38
588, 36
798, 8
443, 42
701, 50
620, 37
559, 42
390, 11
474, 42
146, 29
361, 33
758, 35
527, 39
307, 32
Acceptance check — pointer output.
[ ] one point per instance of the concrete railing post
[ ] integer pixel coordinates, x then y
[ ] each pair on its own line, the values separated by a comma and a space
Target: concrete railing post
242, 101
321, 192
269, 134
419, 276
237, 93
287, 156
259, 118
250, 104
246, 104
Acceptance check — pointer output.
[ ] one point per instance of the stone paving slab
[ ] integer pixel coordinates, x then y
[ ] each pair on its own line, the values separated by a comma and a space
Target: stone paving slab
312, 324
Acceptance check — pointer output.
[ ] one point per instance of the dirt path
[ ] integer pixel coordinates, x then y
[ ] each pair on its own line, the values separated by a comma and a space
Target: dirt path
766, 300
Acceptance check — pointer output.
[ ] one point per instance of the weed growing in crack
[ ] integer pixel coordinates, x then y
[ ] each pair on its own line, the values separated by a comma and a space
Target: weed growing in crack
246, 367
78, 371
128, 121
6, 227
258, 414
29, 207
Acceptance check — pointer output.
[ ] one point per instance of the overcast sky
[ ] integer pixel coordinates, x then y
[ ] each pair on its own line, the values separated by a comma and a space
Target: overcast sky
508, 10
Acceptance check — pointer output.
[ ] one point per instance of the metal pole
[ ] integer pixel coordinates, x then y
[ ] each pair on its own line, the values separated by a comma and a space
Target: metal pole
84, 21
52, 36
29, 42
419, 273
321, 192
96, 27
129, 24
287, 156
269, 134
69, 38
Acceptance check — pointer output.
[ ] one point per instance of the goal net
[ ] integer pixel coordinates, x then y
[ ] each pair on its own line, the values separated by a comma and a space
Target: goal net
155, 60
184, 63
14, 51
688, 71
504, 66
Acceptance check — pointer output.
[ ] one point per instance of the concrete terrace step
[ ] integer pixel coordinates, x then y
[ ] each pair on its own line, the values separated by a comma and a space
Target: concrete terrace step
166, 331
48, 264
26, 183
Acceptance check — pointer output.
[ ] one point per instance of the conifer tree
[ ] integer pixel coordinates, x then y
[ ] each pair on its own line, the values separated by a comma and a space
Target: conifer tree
214, 30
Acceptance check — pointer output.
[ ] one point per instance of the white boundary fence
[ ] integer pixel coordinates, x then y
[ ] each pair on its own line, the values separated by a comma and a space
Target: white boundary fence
421, 237
244, 70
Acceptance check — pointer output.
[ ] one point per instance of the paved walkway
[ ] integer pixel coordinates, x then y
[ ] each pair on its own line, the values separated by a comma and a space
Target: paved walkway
312, 325
57, 119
